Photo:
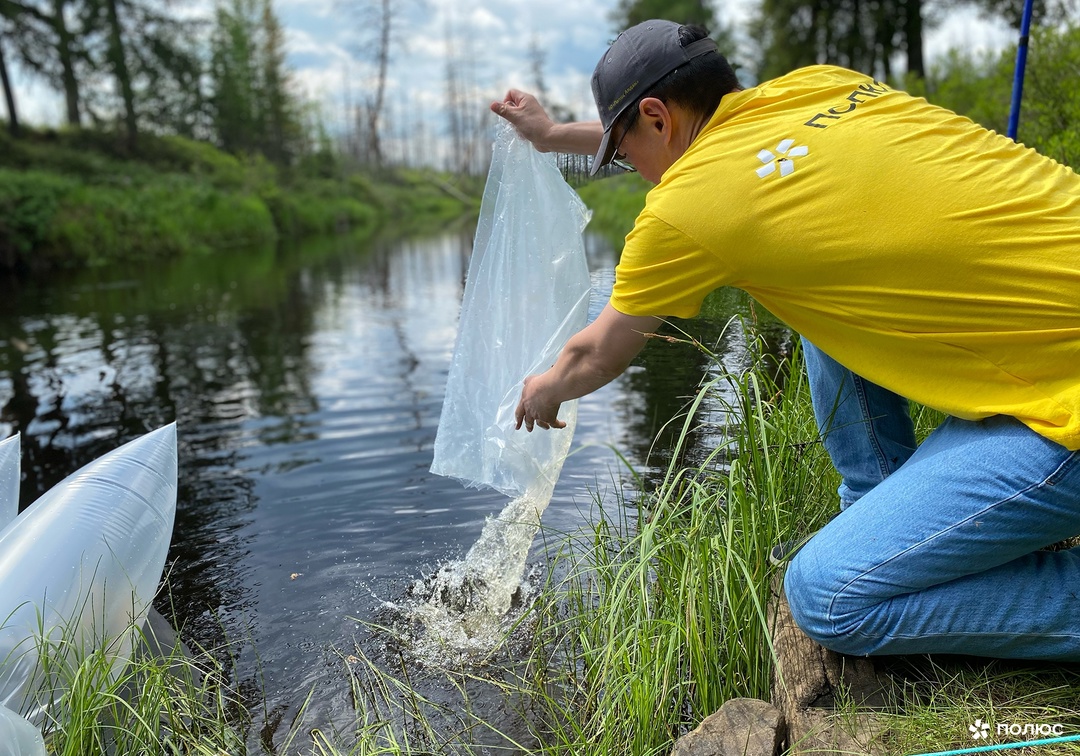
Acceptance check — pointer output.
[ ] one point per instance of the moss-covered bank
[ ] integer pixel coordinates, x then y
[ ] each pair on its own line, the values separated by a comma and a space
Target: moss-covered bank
73, 199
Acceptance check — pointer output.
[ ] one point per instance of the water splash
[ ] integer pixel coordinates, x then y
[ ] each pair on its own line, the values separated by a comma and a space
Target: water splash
468, 608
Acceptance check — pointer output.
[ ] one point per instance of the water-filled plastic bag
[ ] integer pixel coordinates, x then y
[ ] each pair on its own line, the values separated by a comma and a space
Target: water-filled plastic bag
10, 457
79, 567
526, 293
18, 737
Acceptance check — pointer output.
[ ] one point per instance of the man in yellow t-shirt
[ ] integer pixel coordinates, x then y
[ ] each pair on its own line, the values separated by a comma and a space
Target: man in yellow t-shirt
920, 256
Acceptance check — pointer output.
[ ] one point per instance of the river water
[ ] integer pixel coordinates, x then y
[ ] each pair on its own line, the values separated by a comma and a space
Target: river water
307, 385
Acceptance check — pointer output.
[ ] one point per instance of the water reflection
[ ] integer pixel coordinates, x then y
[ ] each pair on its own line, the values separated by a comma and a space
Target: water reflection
307, 384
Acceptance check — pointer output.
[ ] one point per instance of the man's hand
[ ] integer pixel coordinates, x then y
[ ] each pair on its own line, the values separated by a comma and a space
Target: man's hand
592, 357
532, 122
527, 115
535, 407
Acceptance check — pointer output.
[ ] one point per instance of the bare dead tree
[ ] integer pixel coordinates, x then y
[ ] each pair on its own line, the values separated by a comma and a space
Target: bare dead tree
9, 93
453, 98
537, 58
377, 23
382, 62
474, 112
467, 114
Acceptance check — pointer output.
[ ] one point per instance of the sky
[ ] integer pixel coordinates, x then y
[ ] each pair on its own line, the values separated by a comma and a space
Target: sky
324, 44
330, 59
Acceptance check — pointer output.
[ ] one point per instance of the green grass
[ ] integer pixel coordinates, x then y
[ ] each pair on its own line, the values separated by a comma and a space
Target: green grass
97, 225
664, 615
167, 704
946, 696
615, 202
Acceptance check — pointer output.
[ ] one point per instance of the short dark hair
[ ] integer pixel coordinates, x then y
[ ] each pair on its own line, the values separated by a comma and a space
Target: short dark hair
697, 86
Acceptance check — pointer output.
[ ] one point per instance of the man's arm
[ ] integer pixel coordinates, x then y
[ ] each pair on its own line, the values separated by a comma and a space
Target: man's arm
593, 357
533, 123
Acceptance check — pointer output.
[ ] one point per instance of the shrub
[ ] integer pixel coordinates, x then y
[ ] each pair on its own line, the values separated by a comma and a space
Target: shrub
981, 87
29, 201
200, 159
1050, 113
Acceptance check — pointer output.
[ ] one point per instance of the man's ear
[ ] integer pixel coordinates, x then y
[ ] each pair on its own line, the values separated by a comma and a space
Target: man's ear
657, 117
656, 114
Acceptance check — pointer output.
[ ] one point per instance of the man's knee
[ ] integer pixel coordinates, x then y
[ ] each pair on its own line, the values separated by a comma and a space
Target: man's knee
812, 586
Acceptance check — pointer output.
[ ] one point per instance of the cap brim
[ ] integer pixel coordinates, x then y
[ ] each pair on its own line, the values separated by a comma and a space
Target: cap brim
604, 154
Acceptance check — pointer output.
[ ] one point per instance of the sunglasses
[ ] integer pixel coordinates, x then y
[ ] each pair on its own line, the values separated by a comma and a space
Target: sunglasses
619, 159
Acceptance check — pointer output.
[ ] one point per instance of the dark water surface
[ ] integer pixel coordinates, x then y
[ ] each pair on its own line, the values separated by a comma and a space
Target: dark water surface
307, 385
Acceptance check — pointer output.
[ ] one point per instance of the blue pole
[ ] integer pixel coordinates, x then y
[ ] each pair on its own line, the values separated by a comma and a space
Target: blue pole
1021, 63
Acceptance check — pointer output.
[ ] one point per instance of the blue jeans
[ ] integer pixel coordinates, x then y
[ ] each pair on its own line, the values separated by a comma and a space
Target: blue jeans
937, 549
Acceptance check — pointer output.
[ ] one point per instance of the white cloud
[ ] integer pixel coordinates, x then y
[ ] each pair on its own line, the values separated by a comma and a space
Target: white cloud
966, 29
299, 42
484, 23
320, 8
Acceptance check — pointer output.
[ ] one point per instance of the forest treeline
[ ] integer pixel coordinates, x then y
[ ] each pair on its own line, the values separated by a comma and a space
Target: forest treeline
180, 135
883, 38
142, 67
149, 66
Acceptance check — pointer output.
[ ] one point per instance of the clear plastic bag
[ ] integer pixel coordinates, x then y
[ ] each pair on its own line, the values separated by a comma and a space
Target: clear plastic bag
526, 294
18, 737
78, 569
10, 457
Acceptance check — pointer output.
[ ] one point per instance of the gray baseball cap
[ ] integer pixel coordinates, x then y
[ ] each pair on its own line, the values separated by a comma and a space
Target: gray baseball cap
640, 56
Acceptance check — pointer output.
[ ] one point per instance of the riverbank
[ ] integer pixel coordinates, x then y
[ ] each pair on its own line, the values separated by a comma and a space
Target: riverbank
74, 199
651, 614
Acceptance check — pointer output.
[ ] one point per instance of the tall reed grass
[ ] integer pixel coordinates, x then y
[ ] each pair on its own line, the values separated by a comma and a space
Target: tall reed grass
158, 700
659, 612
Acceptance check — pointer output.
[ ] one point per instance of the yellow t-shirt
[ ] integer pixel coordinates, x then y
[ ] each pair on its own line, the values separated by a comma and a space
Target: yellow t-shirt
927, 254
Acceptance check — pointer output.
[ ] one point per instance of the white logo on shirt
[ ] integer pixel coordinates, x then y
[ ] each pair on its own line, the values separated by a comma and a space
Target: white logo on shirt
785, 163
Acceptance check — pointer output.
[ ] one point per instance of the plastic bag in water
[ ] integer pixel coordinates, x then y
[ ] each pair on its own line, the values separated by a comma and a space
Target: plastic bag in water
527, 292
18, 737
10, 456
79, 567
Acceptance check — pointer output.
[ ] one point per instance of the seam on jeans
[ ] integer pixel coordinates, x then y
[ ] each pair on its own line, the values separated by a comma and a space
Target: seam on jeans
832, 601
1063, 469
967, 634
871, 432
